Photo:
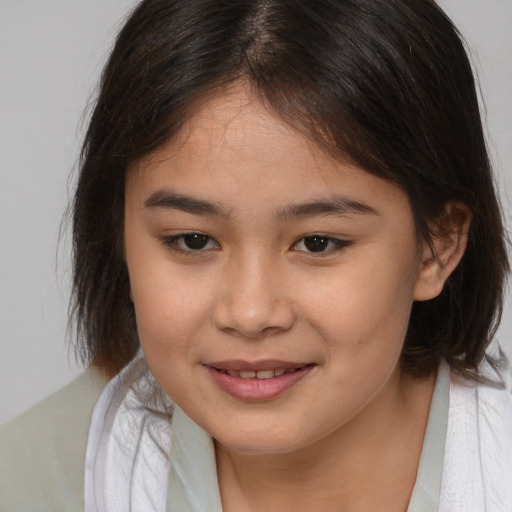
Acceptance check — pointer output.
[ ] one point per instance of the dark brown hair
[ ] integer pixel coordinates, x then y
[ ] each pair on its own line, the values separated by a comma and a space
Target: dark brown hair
386, 82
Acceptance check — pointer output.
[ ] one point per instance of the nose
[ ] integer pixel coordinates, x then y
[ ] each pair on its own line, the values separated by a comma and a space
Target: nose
251, 301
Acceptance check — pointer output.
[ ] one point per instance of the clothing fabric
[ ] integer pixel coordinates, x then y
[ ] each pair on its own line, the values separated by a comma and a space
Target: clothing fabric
426, 493
131, 464
468, 435
42, 452
126, 467
477, 472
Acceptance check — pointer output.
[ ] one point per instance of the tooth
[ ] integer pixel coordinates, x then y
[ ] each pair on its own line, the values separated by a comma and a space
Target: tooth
279, 372
247, 374
265, 374
291, 370
233, 373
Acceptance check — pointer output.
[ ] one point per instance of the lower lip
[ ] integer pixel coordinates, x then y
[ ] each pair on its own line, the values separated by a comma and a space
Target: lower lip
257, 389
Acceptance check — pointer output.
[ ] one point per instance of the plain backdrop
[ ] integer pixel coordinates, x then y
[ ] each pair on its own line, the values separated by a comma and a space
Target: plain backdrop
51, 55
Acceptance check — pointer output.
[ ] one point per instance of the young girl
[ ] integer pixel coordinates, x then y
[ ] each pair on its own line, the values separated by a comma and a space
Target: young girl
289, 260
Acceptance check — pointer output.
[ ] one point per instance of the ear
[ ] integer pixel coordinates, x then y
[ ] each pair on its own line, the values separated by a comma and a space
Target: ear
440, 257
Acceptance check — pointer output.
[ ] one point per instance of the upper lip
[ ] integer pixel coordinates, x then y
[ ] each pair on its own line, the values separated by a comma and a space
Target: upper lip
268, 364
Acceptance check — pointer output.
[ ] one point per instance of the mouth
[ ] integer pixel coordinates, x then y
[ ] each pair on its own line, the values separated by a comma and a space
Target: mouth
257, 381
259, 374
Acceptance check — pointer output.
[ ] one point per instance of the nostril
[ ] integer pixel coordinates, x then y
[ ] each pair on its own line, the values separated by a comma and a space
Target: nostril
251, 321
254, 334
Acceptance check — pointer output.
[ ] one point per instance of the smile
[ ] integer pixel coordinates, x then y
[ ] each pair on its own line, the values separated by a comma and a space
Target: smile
257, 382
260, 374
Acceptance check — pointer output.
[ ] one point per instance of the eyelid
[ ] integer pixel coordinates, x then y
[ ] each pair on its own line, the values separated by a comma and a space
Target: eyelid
337, 244
172, 242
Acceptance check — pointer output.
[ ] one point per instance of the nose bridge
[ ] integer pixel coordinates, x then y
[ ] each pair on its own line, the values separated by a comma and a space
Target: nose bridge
252, 300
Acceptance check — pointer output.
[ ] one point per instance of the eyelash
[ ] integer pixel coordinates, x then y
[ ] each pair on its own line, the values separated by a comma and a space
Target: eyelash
177, 242
173, 243
335, 244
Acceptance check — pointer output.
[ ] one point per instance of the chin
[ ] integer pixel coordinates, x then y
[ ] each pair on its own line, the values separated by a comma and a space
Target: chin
262, 442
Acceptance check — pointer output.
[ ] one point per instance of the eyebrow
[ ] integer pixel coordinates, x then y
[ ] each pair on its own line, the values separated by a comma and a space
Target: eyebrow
337, 205
165, 200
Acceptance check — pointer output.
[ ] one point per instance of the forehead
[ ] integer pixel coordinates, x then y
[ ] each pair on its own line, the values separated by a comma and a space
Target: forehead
234, 151
232, 126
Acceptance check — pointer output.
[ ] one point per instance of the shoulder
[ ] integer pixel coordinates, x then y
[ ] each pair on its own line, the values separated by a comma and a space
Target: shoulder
477, 468
42, 451
494, 376
489, 395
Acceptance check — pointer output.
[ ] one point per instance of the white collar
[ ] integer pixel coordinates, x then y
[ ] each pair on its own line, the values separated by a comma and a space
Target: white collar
135, 430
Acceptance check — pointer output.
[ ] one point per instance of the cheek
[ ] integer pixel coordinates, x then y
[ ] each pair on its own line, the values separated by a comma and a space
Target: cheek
167, 325
364, 309
169, 306
166, 318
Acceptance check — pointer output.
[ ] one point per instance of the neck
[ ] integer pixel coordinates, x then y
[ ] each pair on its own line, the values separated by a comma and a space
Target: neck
369, 463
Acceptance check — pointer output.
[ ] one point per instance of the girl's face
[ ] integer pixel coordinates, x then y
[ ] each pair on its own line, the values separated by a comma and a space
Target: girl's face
272, 285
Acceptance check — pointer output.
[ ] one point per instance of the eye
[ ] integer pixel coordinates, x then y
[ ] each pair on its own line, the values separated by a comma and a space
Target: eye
319, 244
191, 242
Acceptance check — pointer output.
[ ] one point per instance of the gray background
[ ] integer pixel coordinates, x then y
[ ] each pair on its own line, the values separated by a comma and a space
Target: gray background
51, 55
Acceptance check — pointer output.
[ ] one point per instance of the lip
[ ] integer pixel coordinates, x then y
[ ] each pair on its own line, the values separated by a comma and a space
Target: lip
267, 364
256, 390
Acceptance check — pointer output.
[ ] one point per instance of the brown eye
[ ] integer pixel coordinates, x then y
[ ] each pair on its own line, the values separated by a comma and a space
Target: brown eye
195, 241
190, 242
319, 244
316, 243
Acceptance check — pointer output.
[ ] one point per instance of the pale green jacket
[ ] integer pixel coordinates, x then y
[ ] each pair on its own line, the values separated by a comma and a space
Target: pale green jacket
50, 476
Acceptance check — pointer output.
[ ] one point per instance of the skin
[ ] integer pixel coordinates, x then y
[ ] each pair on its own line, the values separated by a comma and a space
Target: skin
351, 430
